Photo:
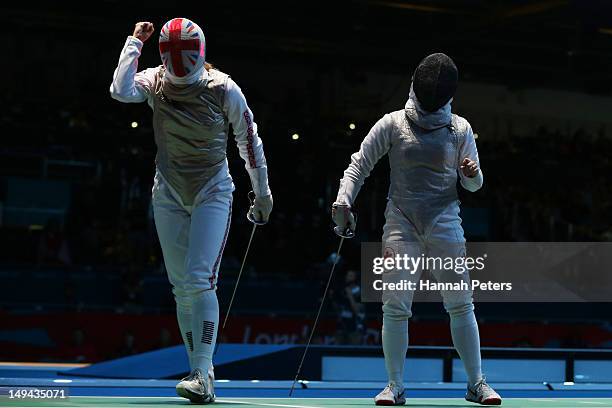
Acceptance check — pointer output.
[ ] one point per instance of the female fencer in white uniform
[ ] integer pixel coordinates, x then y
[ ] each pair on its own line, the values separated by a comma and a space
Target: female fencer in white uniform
428, 148
193, 105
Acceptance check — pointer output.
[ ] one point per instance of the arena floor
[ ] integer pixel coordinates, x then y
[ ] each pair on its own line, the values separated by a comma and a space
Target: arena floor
129, 392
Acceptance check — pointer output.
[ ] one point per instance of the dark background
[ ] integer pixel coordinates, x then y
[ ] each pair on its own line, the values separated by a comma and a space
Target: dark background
81, 274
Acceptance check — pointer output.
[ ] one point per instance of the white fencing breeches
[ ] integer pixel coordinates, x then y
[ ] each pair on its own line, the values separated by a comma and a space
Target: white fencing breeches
192, 239
445, 240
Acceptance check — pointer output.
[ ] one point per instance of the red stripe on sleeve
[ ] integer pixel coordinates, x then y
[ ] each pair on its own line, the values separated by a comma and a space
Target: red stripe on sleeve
250, 151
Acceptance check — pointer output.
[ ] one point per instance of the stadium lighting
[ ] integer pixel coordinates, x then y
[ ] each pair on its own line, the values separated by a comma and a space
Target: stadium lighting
352, 126
134, 125
475, 135
295, 136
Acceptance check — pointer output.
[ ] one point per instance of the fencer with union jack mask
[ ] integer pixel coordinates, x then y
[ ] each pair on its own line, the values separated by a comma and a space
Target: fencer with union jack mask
193, 105
428, 147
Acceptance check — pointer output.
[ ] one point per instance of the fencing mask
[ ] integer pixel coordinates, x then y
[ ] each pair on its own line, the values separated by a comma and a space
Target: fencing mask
435, 81
182, 48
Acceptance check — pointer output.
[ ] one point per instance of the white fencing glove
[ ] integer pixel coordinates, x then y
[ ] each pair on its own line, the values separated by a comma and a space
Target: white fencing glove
344, 219
261, 207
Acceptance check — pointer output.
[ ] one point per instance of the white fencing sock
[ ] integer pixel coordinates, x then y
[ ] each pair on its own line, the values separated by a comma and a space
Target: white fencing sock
204, 324
183, 315
395, 345
464, 330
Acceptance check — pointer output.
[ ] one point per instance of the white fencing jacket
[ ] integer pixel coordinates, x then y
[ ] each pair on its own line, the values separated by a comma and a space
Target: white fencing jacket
425, 153
191, 124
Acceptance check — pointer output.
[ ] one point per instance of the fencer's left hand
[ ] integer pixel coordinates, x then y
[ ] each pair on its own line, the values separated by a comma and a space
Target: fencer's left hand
261, 207
469, 167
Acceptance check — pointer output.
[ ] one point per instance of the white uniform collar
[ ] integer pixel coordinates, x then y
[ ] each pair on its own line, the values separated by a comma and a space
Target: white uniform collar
201, 74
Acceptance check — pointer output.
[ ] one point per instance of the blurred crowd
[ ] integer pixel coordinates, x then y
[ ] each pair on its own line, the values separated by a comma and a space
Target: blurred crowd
540, 187
545, 186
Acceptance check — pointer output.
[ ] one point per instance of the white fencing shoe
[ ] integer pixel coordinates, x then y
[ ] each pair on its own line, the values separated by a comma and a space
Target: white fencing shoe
393, 394
197, 387
482, 393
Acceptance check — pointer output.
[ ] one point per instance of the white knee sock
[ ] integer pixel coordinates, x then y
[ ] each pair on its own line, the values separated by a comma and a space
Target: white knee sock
466, 339
183, 315
204, 324
395, 345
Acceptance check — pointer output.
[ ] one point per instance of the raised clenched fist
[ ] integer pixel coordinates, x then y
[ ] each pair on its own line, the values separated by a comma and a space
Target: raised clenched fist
143, 30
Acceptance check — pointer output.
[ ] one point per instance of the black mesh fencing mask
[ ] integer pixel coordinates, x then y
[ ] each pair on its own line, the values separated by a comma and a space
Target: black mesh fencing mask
435, 81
